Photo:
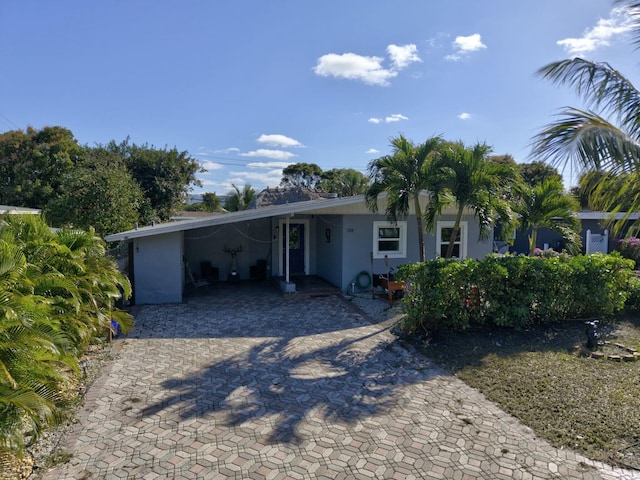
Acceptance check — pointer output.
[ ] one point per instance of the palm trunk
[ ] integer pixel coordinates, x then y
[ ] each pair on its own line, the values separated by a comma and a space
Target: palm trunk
454, 233
532, 241
416, 201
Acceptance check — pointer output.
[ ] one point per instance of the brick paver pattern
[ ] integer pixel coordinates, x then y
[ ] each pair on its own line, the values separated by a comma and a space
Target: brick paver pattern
249, 384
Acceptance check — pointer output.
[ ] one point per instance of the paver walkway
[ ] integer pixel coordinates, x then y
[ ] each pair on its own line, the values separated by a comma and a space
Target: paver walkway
250, 384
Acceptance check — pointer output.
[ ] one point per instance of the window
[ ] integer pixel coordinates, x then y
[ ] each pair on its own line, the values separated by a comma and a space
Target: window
389, 239
443, 235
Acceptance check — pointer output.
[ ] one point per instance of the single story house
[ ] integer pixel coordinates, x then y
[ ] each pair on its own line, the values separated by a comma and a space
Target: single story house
332, 238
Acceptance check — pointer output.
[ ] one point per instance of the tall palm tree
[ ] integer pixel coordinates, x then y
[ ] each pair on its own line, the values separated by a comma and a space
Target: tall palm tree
402, 176
605, 136
547, 205
466, 178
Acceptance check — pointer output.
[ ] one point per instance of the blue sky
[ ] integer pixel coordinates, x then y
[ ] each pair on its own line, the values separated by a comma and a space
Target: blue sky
250, 86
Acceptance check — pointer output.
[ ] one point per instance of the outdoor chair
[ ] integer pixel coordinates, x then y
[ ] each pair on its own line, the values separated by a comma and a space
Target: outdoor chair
197, 283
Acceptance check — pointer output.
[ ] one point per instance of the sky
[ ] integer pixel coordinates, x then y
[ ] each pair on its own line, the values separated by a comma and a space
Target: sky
247, 87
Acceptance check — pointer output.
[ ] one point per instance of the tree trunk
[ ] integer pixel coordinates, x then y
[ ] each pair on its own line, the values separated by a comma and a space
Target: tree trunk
454, 233
416, 201
532, 241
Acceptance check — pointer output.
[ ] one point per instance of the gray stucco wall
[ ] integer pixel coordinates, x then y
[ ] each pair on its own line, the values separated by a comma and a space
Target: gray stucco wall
329, 254
357, 231
208, 245
158, 269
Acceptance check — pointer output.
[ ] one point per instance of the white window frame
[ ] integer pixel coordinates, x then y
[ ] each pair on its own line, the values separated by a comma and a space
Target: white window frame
402, 240
463, 237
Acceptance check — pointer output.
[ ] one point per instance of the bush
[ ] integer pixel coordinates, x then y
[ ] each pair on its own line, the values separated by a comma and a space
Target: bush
629, 248
513, 291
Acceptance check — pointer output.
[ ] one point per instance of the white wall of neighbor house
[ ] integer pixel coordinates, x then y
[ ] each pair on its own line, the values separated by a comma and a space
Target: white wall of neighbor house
158, 270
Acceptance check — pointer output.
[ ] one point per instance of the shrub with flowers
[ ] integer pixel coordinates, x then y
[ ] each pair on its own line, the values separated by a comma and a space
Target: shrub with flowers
629, 248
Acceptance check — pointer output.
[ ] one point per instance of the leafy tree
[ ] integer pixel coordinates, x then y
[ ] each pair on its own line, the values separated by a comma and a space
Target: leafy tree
211, 202
547, 205
466, 178
99, 193
535, 172
346, 182
32, 164
606, 136
165, 176
239, 200
402, 176
304, 175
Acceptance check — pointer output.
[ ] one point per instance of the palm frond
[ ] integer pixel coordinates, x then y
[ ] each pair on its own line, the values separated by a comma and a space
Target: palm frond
587, 141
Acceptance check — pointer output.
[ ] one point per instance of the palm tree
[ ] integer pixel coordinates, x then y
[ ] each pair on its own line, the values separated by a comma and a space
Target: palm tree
402, 176
466, 178
605, 136
547, 205
237, 200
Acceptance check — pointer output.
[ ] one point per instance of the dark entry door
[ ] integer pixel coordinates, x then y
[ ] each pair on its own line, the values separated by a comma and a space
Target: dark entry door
296, 249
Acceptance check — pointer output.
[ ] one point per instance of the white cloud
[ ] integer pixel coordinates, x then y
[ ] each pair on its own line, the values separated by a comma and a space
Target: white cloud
354, 67
374, 120
464, 116
367, 69
270, 165
396, 117
464, 46
372, 151
279, 141
619, 22
229, 150
268, 153
211, 165
403, 55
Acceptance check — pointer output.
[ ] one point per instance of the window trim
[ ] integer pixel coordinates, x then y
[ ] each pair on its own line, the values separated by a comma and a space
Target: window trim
464, 226
402, 240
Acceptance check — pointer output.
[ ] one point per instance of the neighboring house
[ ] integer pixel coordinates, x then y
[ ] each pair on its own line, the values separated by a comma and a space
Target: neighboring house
596, 234
333, 238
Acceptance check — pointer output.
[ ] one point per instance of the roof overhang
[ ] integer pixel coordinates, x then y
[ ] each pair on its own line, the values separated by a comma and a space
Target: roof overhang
310, 206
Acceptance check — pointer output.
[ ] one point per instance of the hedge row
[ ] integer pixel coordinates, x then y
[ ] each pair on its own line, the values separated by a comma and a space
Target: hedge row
513, 291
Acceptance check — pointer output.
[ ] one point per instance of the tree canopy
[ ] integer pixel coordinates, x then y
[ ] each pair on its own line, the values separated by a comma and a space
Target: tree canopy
110, 187
305, 175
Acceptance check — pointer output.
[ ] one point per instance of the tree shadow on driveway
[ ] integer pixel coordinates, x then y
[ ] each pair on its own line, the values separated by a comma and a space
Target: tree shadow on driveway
286, 389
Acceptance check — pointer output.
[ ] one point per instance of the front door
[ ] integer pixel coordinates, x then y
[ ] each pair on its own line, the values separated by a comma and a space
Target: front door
296, 249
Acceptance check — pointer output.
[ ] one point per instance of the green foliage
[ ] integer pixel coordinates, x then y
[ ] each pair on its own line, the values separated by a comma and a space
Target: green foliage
402, 177
513, 291
345, 182
164, 176
58, 291
604, 137
629, 248
467, 178
535, 172
633, 301
239, 200
547, 205
33, 164
304, 175
100, 193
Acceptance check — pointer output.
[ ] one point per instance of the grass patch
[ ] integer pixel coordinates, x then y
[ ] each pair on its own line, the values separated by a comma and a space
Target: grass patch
542, 377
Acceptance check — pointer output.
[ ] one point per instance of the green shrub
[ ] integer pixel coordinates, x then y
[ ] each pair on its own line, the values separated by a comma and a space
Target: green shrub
513, 291
629, 248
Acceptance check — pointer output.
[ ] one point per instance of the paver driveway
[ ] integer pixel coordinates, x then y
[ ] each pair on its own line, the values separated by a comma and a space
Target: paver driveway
249, 384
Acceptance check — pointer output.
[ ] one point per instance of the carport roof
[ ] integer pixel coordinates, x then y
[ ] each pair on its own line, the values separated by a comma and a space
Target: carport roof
241, 216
